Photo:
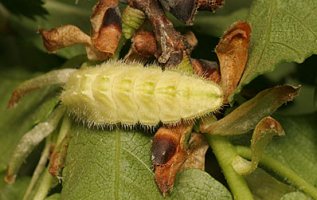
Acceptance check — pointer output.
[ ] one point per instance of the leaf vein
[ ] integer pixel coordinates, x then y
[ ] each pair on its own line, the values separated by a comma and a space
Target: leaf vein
117, 165
310, 13
289, 47
301, 22
268, 30
138, 159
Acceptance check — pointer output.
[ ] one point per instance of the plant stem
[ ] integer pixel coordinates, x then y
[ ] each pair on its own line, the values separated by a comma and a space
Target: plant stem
39, 168
65, 127
58, 155
122, 42
46, 180
281, 170
225, 153
44, 186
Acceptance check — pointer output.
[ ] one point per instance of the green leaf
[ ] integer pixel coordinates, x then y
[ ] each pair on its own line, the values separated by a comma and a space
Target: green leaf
297, 150
15, 122
266, 187
196, 184
295, 196
27, 8
282, 31
292, 158
15, 191
54, 197
117, 165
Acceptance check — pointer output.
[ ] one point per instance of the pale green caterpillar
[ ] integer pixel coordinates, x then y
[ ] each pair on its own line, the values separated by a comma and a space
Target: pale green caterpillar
117, 93
128, 94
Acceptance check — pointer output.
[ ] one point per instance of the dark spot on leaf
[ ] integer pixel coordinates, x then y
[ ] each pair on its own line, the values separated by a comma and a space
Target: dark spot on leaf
163, 150
112, 17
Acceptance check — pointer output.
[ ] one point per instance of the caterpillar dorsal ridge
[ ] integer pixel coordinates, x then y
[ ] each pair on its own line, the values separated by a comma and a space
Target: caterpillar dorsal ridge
116, 92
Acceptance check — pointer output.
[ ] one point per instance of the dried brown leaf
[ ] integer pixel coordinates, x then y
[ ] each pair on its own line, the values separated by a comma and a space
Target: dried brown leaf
106, 26
95, 54
63, 36
246, 116
197, 150
262, 135
69, 35
232, 52
169, 152
58, 157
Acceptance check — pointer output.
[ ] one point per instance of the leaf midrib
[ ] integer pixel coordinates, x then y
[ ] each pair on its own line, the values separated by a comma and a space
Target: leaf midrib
117, 164
267, 32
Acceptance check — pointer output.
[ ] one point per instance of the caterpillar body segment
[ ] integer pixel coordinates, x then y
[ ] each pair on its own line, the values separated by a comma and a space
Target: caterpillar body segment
115, 92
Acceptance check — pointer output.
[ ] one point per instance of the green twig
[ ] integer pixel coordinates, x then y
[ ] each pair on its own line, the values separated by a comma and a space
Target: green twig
39, 168
281, 170
46, 181
65, 127
42, 163
225, 153
44, 186
122, 42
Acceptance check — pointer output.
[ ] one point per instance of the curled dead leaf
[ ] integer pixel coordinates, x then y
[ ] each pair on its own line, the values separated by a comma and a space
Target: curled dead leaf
169, 152
70, 35
262, 135
232, 52
198, 147
106, 26
246, 116
63, 36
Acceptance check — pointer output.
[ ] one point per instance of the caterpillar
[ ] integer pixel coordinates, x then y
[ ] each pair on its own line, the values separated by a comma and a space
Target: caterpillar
117, 93
128, 94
